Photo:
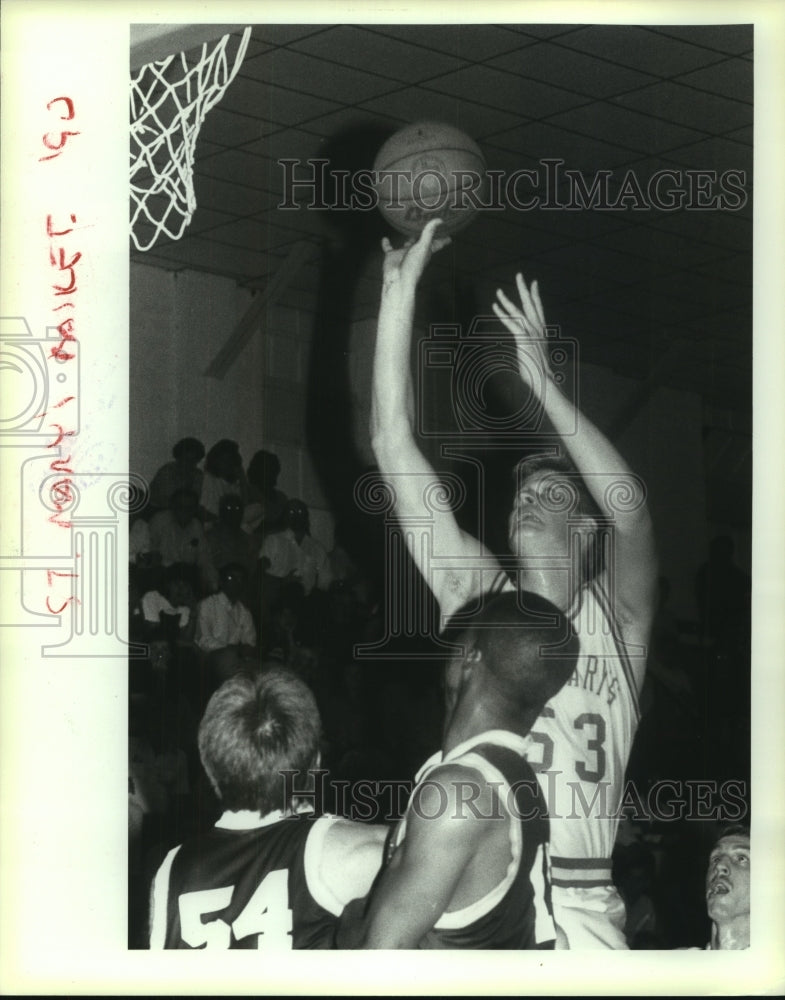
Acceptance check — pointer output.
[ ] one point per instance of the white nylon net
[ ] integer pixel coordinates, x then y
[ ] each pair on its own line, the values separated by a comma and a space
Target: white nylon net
169, 102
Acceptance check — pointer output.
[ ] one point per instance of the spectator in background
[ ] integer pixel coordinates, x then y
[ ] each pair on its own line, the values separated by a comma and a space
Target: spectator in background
172, 605
223, 473
181, 474
266, 507
177, 535
728, 890
225, 631
294, 554
227, 539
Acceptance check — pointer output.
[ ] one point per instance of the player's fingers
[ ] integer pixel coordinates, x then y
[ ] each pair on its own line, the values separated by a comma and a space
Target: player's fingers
537, 301
427, 235
511, 308
529, 308
386, 245
515, 324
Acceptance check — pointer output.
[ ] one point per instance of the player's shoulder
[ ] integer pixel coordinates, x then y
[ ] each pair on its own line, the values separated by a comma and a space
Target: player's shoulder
452, 788
341, 860
337, 834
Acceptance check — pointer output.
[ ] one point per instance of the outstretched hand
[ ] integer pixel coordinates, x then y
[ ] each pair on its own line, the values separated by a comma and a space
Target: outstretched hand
405, 266
527, 325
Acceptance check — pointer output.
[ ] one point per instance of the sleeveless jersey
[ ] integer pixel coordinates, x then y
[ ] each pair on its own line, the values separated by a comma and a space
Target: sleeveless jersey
581, 743
243, 888
518, 912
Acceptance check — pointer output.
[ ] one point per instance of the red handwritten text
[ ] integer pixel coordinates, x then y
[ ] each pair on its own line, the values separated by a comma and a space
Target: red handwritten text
64, 260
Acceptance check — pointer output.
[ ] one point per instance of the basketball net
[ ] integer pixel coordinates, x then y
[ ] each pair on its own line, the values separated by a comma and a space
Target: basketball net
169, 101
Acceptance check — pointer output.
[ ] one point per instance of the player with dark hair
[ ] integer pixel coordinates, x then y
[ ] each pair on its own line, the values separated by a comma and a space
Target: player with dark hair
728, 890
468, 864
573, 544
267, 875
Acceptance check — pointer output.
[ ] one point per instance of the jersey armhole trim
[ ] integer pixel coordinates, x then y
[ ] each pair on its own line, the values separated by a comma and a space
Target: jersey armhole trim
159, 900
312, 862
468, 914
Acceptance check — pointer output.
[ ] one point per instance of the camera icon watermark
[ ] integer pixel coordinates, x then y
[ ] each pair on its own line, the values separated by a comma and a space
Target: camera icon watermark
38, 379
478, 369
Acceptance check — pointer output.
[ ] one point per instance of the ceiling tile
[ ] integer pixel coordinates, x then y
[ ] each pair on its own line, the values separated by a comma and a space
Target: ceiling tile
577, 71
302, 222
675, 103
208, 256
715, 228
255, 45
733, 269
607, 265
296, 70
283, 34
498, 89
289, 143
730, 78
228, 128
284, 104
640, 48
730, 38
473, 43
673, 309
715, 154
650, 243
259, 234
355, 120
638, 132
745, 135
547, 140
412, 104
356, 46
542, 30
234, 199
205, 149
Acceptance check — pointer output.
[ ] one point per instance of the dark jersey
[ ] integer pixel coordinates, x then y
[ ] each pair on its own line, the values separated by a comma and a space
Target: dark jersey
517, 913
242, 888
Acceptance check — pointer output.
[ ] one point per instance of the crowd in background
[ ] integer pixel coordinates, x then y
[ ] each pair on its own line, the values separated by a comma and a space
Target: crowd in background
225, 575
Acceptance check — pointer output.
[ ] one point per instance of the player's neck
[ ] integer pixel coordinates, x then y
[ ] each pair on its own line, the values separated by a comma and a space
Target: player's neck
733, 935
471, 718
553, 585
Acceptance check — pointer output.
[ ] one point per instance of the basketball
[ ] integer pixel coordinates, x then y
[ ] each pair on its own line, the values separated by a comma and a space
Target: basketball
441, 173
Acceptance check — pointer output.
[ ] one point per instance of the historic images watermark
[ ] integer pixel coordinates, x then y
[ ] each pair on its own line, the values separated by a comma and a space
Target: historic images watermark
551, 186
665, 800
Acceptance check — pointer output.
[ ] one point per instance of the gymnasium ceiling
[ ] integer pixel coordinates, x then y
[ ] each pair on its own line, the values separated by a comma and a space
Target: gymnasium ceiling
662, 296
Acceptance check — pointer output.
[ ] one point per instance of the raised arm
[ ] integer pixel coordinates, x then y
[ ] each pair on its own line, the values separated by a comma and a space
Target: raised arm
400, 460
596, 460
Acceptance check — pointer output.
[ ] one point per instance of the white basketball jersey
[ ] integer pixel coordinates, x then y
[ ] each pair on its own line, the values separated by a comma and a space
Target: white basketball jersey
581, 744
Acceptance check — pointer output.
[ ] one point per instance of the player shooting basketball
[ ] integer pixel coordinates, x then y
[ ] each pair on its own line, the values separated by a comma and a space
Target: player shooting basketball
586, 731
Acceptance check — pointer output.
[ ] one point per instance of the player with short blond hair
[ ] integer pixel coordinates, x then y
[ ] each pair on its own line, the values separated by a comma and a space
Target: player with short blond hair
596, 562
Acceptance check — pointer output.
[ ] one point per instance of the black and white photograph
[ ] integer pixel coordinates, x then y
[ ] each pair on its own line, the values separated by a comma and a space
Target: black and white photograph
392, 497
